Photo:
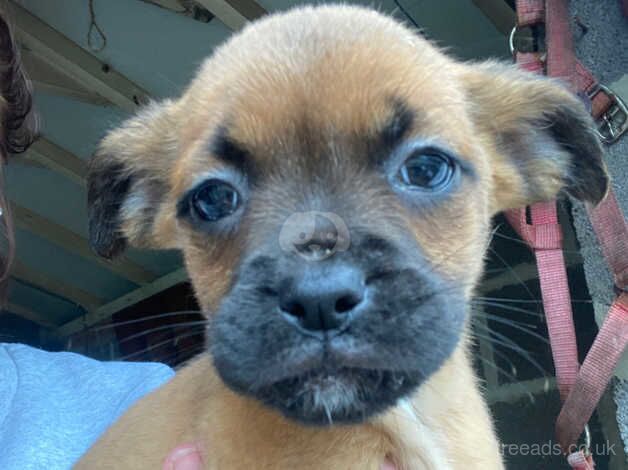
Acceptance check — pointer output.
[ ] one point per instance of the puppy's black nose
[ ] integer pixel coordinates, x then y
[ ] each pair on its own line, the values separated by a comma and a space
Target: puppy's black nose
323, 298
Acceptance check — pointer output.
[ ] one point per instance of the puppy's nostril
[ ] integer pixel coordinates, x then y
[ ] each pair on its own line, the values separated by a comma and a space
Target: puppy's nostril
323, 298
346, 303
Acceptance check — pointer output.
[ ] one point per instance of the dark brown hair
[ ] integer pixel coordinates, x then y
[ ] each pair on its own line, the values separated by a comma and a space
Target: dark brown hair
18, 128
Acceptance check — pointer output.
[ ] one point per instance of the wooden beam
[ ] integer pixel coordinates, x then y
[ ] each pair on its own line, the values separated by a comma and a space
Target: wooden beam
73, 93
70, 241
54, 286
66, 57
105, 311
234, 13
172, 5
515, 391
29, 315
48, 80
50, 155
499, 13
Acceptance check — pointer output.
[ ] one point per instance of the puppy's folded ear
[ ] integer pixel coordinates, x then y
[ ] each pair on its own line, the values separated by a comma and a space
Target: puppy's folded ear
540, 137
127, 181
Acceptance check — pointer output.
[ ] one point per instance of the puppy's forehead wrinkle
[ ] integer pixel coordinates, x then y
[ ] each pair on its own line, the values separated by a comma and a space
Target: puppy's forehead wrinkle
226, 149
399, 123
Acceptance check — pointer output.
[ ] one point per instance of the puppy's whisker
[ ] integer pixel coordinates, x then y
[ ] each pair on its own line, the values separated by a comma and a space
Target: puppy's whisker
160, 344
507, 308
499, 369
192, 351
95, 329
512, 272
161, 328
330, 421
499, 318
504, 357
502, 340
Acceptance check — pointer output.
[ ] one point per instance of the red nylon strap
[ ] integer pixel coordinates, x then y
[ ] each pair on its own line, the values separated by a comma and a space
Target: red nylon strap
624, 5
561, 59
579, 389
530, 61
544, 235
595, 373
559, 46
530, 12
611, 229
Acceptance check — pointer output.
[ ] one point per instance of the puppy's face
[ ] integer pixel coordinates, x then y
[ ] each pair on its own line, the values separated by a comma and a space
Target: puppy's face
330, 178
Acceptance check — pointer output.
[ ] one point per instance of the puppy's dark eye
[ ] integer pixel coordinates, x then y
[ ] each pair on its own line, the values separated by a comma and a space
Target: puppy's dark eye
214, 200
428, 170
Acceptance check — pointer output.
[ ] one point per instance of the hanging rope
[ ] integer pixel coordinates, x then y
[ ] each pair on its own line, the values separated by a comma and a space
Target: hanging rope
94, 29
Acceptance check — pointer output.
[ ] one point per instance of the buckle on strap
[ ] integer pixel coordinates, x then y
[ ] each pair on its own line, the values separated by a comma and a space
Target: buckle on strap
614, 122
533, 42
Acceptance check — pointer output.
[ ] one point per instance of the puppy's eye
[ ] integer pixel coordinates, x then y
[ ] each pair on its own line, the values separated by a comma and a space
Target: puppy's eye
214, 200
428, 170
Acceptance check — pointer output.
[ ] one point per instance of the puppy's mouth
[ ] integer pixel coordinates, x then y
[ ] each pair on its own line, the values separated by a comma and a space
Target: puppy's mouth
334, 381
344, 395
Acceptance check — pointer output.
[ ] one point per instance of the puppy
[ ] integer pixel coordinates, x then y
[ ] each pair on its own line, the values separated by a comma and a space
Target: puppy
330, 177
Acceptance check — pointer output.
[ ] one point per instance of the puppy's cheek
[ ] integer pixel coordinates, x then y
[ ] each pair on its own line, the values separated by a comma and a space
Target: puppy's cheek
413, 335
211, 278
249, 340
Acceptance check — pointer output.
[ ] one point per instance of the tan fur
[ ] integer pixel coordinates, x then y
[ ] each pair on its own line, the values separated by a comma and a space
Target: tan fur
324, 75
450, 429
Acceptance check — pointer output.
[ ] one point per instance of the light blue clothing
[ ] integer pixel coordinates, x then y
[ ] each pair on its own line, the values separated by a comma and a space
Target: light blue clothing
53, 406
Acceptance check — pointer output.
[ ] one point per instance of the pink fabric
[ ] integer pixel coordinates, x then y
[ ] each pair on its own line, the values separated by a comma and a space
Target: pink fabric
544, 236
530, 61
530, 12
561, 59
579, 461
595, 373
611, 229
580, 390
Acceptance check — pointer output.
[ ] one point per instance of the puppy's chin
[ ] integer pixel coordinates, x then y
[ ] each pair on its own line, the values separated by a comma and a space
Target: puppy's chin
324, 396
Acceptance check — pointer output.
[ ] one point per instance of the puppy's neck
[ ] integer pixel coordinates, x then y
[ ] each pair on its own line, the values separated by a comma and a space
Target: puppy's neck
417, 445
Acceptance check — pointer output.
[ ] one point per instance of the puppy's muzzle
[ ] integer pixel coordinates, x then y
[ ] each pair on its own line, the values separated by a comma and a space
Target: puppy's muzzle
325, 330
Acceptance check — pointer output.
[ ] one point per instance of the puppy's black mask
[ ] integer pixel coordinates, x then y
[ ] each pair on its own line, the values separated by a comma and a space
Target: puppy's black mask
399, 331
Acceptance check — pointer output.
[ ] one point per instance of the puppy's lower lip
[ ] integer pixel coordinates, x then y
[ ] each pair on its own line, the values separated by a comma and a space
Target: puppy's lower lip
336, 360
328, 372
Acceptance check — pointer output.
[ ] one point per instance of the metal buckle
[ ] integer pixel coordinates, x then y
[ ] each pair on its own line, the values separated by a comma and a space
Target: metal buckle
513, 48
614, 122
587, 440
511, 41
